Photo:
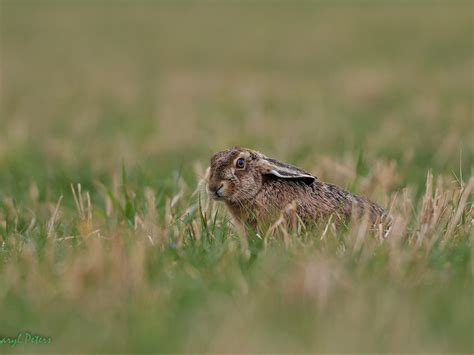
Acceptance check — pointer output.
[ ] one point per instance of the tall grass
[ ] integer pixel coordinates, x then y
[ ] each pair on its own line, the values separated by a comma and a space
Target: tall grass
135, 274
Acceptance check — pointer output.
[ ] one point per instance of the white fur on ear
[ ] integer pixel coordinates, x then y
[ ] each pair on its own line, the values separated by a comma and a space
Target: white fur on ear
285, 175
284, 171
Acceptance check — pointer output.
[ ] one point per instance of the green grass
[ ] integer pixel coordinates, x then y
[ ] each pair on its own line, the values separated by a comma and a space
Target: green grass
130, 99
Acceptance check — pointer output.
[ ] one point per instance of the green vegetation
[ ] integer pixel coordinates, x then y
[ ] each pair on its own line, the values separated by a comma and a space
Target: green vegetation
110, 112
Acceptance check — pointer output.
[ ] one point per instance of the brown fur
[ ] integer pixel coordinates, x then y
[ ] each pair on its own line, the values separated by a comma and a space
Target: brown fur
265, 188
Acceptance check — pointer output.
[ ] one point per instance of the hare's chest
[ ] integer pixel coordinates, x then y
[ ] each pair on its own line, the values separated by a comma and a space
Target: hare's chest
244, 214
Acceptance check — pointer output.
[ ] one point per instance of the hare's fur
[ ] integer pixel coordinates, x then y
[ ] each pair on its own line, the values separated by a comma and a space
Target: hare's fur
264, 189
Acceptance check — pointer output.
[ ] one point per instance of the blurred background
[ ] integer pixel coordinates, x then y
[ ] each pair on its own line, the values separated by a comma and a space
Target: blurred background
160, 84
131, 98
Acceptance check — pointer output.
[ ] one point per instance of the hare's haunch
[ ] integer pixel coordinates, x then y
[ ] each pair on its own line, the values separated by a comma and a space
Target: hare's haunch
256, 188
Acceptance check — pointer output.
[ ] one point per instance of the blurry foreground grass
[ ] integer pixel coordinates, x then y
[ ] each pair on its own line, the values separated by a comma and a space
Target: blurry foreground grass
370, 96
140, 271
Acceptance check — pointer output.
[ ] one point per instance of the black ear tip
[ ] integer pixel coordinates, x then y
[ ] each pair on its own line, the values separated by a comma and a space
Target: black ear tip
309, 180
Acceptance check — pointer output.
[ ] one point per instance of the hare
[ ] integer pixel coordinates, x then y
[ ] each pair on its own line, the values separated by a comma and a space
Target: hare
257, 189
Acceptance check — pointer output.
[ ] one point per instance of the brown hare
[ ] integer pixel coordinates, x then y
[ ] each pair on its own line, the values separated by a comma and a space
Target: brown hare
257, 189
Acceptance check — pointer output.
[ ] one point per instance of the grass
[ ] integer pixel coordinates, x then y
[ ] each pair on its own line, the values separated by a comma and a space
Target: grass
110, 113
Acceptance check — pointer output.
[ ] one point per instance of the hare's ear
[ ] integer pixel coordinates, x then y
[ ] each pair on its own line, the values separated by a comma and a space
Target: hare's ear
281, 170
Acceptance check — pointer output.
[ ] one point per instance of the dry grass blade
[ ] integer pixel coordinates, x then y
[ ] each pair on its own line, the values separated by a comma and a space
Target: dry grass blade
466, 193
54, 216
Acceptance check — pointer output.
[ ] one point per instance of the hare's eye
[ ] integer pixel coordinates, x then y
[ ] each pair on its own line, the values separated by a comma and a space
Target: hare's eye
240, 163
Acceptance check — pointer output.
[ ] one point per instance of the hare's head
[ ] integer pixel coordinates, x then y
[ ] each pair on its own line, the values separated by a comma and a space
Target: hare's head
237, 175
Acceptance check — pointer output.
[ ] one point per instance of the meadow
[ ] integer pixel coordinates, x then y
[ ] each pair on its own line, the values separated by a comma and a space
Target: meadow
110, 112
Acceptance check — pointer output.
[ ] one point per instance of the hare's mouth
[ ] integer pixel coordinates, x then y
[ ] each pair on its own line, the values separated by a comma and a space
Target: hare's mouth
218, 193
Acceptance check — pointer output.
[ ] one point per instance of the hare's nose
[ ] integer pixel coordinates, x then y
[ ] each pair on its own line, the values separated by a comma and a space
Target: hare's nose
216, 189
219, 190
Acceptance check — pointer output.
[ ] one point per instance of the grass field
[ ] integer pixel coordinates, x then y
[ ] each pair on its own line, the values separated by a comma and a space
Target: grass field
110, 112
